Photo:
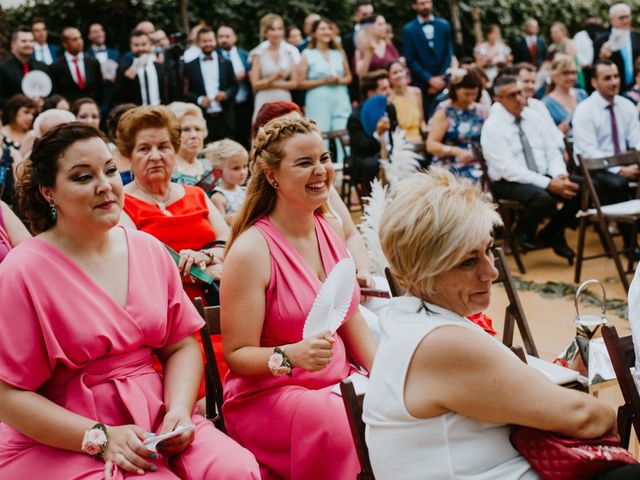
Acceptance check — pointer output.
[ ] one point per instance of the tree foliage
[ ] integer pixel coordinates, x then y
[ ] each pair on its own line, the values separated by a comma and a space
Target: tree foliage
120, 16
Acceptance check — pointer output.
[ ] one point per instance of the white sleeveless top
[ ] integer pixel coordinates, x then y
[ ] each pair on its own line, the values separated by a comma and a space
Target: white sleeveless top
449, 446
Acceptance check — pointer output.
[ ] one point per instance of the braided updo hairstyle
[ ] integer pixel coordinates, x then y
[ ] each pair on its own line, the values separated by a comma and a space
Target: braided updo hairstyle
267, 153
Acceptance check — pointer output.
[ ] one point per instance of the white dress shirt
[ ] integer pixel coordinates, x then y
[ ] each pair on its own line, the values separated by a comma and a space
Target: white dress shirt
238, 67
592, 137
584, 48
154, 85
72, 66
43, 54
100, 53
503, 150
550, 125
211, 78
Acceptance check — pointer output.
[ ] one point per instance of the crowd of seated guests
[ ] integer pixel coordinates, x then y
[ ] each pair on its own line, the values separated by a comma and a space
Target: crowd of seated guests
271, 230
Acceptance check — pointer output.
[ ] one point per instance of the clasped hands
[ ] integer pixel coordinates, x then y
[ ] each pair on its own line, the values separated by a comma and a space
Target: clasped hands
127, 451
563, 187
210, 264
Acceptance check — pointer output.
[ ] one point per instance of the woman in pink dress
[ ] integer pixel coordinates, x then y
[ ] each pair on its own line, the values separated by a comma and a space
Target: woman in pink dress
78, 392
294, 425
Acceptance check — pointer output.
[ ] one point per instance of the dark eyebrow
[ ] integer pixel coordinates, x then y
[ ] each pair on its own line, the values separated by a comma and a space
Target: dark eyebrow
86, 165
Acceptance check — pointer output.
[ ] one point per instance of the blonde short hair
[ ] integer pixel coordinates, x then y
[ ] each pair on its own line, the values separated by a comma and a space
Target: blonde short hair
431, 222
218, 152
184, 109
267, 22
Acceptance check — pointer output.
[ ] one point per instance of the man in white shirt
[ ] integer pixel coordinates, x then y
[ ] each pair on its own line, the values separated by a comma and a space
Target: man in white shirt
239, 58
42, 50
211, 83
606, 124
525, 165
526, 74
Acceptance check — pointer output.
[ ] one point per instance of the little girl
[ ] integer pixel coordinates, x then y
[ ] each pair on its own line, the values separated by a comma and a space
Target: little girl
233, 159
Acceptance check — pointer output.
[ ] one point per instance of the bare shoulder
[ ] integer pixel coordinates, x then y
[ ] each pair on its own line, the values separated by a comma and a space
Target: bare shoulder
249, 249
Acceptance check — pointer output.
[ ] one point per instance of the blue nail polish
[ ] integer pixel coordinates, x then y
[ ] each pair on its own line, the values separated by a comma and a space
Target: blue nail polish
151, 434
154, 456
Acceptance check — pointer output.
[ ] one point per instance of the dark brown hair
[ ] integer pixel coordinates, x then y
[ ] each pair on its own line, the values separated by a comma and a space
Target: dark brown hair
471, 79
41, 168
13, 105
75, 106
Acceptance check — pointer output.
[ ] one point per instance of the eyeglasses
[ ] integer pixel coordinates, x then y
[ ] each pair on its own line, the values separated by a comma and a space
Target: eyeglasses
513, 95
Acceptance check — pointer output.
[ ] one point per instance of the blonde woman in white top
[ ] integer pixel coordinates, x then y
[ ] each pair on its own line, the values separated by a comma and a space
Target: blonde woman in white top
443, 394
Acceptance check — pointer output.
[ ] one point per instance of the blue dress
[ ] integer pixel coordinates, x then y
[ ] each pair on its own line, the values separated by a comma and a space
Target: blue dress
463, 130
557, 111
328, 105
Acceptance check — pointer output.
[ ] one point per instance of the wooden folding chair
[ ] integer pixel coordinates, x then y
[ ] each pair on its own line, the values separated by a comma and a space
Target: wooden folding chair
209, 180
212, 380
353, 405
623, 358
593, 212
514, 313
507, 208
395, 289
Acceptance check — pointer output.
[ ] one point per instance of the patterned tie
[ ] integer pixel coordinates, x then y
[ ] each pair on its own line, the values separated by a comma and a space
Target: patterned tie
526, 147
78, 74
614, 129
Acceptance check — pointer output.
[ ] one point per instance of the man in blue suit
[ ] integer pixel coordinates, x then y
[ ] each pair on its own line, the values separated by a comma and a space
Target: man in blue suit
243, 106
98, 49
428, 48
43, 51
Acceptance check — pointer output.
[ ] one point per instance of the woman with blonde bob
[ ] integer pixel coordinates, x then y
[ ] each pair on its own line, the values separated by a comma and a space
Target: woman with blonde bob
278, 399
193, 130
442, 393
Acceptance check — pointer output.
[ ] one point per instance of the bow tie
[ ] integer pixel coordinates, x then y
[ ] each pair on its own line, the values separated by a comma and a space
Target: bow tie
207, 58
427, 22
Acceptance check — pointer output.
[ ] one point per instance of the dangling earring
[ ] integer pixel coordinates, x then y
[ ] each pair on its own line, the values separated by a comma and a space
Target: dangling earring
275, 184
54, 212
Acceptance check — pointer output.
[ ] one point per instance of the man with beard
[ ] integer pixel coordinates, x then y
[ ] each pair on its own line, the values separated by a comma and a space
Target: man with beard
142, 81
243, 105
21, 62
428, 48
212, 85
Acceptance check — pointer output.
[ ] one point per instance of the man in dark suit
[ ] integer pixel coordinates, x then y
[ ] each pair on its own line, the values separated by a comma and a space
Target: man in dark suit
142, 81
14, 68
43, 51
529, 47
364, 9
98, 49
243, 105
212, 85
428, 48
76, 75
365, 149
621, 45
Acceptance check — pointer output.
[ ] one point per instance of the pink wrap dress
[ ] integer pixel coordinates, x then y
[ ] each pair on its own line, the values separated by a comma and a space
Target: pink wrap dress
295, 426
65, 338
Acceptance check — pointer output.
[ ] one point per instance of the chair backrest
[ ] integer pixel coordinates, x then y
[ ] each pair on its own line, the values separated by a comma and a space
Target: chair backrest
514, 313
209, 181
212, 380
485, 180
353, 405
623, 357
592, 165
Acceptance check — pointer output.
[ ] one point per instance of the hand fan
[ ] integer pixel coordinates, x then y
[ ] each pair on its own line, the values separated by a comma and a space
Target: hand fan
36, 84
109, 70
333, 300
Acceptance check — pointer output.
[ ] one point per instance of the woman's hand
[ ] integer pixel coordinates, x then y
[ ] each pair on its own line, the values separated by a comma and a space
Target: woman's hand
311, 354
189, 258
127, 451
215, 269
175, 445
463, 155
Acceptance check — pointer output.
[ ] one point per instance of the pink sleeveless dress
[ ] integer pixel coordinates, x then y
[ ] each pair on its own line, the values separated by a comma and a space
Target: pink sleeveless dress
295, 426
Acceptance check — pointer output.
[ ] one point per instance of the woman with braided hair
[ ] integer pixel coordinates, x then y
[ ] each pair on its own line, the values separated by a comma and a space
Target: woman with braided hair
278, 400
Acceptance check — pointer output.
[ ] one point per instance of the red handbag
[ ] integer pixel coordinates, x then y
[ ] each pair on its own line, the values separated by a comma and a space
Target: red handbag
556, 457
